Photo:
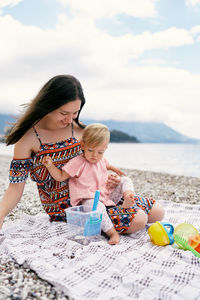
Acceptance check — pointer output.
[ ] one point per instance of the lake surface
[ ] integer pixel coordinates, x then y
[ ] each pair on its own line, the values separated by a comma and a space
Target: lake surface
180, 159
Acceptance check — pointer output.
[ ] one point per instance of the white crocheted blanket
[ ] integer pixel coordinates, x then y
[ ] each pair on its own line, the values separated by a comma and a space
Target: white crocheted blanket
134, 269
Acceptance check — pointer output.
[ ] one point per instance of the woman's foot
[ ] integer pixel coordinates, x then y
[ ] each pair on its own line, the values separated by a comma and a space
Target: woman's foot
128, 199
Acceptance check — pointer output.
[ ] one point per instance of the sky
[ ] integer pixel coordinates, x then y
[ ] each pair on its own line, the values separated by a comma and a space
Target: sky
137, 60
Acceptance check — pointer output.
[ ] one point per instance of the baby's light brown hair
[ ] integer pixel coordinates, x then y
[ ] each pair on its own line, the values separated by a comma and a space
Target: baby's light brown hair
95, 134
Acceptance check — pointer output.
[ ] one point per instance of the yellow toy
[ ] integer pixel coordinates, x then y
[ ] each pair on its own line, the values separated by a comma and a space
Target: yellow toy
185, 235
161, 233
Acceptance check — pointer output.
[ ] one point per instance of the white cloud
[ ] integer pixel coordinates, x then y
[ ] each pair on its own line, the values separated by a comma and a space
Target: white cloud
192, 2
195, 29
114, 88
172, 37
72, 45
151, 94
195, 32
5, 3
96, 9
153, 61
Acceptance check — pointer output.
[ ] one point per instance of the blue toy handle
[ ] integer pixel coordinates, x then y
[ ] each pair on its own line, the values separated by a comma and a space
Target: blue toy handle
169, 229
96, 200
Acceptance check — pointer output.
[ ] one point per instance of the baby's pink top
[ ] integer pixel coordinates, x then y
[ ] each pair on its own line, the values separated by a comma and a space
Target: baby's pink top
86, 178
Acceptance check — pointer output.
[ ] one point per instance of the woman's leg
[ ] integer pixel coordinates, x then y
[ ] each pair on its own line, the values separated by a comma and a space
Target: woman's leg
150, 212
138, 223
156, 213
129, 220
153, 209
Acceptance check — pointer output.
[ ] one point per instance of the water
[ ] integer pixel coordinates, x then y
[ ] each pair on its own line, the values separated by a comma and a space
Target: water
179, 159
6, 150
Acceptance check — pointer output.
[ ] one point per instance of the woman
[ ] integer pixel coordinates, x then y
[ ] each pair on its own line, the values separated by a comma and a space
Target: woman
50, 126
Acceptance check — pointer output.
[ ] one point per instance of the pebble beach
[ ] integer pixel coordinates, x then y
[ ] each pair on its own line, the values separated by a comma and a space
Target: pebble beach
18, 282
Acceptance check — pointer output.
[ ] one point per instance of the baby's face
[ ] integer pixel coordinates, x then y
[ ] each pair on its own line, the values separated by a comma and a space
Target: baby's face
94, 154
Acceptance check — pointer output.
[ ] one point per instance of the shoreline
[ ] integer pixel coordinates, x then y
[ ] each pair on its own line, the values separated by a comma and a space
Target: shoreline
173, 159
160, 186
156, 185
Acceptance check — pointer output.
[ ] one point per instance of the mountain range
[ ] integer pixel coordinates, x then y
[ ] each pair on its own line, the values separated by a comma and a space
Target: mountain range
145, 132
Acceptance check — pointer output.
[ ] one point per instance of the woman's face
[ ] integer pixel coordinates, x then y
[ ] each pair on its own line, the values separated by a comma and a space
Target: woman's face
65, 114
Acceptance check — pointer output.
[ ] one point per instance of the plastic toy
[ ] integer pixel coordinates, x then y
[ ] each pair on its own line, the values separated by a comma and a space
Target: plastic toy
161, 233
84, 224
181, 241
194, 242
186, 231
92, 223
185, 235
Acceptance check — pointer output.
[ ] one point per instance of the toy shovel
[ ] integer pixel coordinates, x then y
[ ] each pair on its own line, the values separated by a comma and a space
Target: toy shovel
93, 223
181, 241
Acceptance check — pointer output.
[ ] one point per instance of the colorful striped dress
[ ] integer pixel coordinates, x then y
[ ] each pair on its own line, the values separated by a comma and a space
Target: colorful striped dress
54, 195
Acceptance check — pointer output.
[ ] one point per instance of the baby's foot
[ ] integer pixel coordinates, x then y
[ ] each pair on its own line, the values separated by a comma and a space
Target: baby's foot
114, 238
128, 199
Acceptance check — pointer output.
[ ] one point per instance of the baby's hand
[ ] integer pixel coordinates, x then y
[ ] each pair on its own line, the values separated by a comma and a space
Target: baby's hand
128, 199
113, 181
47, 161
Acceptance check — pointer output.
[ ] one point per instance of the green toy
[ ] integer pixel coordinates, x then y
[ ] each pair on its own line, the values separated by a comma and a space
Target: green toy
181, 241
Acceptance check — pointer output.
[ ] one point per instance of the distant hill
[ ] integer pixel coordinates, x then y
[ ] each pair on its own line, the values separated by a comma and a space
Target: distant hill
117, 136
146, 132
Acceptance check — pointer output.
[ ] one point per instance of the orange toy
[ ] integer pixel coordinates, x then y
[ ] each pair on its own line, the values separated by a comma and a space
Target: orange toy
194, 242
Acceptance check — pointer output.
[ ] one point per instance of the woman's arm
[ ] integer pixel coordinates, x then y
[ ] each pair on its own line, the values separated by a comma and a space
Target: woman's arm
116, 170
10, 199
23, 149
56, 173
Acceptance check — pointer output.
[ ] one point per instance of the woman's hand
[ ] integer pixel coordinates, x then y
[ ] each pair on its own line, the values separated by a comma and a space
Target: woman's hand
113, 181
116, 170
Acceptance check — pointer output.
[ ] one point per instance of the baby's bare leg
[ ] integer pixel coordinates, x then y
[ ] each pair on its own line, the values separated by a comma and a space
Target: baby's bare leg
113, 235
156, 213
125, 190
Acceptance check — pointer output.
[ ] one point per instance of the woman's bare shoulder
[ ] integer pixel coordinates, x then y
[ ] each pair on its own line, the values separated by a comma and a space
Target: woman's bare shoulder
26, 145
78, 131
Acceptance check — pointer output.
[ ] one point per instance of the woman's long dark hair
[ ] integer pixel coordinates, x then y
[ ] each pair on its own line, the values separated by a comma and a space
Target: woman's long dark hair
58, 91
